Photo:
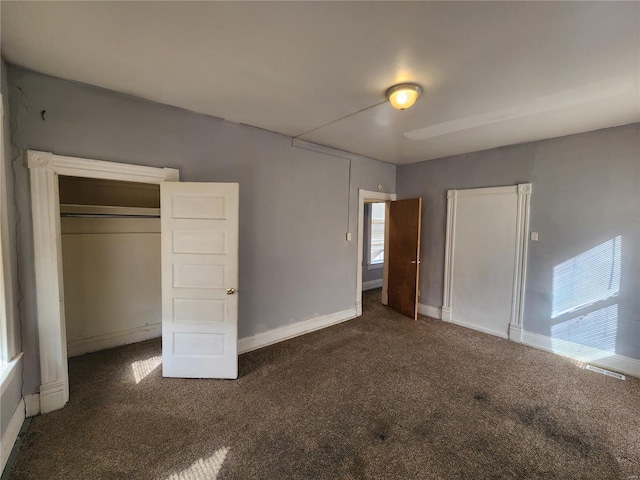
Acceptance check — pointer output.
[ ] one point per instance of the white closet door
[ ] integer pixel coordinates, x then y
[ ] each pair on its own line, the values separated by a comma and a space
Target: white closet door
199, 279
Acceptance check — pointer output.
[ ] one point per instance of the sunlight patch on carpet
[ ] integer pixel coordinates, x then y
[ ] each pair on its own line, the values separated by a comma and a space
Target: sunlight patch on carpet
203, 468
142, 368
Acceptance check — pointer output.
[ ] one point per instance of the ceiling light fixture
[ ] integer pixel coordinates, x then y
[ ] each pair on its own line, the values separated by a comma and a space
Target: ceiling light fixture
404, 95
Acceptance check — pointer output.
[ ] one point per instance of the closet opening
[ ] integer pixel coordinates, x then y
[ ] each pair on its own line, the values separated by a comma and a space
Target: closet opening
111, 257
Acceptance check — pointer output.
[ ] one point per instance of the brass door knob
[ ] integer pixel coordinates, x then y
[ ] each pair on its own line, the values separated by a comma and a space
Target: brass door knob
231, 291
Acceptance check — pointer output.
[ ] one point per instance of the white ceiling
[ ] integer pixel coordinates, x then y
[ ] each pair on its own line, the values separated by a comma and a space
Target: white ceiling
493, 73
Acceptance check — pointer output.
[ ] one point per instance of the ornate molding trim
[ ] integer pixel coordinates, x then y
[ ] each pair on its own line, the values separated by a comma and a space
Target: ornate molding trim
44, 169
452, 196
524, 189
85, 167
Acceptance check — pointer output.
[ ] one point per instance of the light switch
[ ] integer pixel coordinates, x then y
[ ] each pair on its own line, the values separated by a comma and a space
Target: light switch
348, 236
534, 236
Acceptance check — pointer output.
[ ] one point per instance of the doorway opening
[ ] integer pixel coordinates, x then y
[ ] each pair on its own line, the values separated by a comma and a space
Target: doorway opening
372, 260
373, 248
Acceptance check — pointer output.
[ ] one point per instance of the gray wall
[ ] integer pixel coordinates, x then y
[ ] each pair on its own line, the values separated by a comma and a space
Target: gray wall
586, 190
295, 205
375, 273
12, 394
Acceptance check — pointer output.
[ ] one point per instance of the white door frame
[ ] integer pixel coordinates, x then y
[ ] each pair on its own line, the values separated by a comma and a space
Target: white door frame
523, 191
44, 169
368, 196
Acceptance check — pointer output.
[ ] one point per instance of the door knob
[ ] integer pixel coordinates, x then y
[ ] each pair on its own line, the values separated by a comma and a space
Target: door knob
231, 291
415, 261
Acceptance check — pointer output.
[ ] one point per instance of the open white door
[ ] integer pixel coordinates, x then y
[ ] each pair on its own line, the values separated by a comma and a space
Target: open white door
199, 279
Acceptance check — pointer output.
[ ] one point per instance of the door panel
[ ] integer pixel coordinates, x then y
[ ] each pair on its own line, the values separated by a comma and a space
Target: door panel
404, 255
199, 265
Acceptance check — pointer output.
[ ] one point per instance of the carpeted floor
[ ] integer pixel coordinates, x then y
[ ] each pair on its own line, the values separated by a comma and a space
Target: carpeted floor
378, 397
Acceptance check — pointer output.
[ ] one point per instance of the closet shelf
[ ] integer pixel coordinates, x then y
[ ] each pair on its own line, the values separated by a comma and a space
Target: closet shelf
106, 211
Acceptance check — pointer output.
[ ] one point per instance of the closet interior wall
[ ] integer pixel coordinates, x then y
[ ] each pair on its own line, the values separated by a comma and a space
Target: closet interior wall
111, 263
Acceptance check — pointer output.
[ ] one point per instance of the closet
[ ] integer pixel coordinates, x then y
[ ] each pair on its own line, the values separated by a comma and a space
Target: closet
111, 262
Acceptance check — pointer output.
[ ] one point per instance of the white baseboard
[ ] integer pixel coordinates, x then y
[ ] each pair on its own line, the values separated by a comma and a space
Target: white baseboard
495, 333
430, 311
371, 284
11, 434
53, 396
515, 332
276, 335
32, 404
582, 353
115, 339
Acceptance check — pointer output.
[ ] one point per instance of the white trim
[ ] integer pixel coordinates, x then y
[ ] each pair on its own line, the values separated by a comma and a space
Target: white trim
515, 333
8, 372
88, 168
286, 332
368, 196
113, 339
430, 311
523, 192
31, 405
448, 254
11, 434
520, 262
582, 353
45, 205
371, 284
477, 328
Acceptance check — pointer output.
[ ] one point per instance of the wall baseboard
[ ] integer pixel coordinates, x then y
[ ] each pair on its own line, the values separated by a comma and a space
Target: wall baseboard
32, 405
430, 311
582, 353
515, 333
371, 284
115, 339
11, 434
495, 333
276, 335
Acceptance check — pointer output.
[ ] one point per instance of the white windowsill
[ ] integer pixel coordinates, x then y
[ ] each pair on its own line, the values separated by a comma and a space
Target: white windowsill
8, 371
375, 266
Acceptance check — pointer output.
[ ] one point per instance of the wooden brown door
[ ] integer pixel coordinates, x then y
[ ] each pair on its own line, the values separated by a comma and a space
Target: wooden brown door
404, 255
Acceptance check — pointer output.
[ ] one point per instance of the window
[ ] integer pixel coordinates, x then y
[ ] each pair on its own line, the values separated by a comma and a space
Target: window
376, 234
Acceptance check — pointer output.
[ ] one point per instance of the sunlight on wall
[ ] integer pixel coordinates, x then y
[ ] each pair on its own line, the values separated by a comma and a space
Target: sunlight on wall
597, 329
204, 468
587, 278
142, 368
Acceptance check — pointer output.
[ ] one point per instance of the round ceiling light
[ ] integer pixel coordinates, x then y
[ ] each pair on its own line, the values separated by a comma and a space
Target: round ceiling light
404, 95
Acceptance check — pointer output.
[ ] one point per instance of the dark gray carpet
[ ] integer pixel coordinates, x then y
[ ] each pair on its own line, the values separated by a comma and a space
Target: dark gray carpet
378, 397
